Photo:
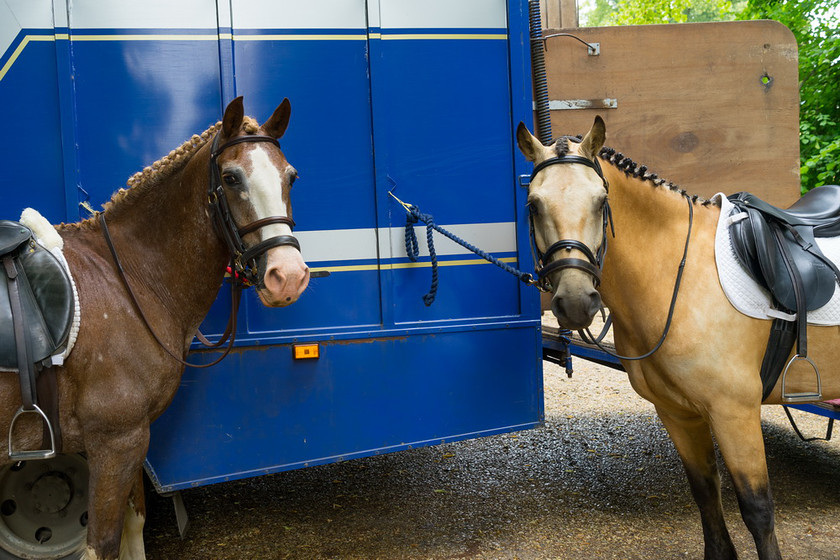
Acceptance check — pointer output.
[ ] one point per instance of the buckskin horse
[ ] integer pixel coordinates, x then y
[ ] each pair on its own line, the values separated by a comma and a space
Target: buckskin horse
704, 356
147, 270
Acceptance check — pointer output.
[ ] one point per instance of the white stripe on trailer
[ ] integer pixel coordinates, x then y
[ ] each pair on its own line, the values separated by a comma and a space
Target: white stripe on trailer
143, 14
323, 14
362, 244
16, 15
434, 14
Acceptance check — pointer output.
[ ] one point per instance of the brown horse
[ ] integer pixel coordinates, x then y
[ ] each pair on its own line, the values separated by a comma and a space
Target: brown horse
118, 378
704, 378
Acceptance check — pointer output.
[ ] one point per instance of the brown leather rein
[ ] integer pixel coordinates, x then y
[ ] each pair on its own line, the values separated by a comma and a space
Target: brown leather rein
243, 267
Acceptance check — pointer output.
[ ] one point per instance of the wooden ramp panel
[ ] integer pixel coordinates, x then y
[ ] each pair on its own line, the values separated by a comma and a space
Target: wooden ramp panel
709, 106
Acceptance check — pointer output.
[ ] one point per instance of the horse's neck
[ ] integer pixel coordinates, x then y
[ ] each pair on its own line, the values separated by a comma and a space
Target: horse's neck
167, 243
651, 225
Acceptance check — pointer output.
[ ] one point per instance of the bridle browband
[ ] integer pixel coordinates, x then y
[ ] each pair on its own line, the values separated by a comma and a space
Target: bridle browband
243, 268
594, 261
243, 259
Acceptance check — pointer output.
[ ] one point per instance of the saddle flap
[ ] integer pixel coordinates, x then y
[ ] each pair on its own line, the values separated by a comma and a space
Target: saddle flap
48, 304
13, 236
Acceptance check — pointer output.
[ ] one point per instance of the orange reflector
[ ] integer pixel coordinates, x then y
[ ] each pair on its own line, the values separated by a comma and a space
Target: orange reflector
306, 351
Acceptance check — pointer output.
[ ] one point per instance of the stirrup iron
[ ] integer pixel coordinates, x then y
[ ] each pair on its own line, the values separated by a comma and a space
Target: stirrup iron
805, 396
35, 453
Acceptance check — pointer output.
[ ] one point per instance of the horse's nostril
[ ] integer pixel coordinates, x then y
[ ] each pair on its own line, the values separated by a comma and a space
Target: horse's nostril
594, 303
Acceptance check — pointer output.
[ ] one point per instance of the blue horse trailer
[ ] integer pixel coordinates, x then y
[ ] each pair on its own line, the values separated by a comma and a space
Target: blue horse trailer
416, 98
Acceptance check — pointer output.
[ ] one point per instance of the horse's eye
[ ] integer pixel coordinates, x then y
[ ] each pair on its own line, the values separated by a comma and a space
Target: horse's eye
230, 179
533, 209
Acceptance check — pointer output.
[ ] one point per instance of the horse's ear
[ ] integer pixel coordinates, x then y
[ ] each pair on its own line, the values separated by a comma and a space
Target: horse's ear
528, 144
276, 125
232, 121
594, 139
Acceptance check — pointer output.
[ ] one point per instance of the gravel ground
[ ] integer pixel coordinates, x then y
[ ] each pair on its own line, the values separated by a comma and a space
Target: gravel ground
599, 480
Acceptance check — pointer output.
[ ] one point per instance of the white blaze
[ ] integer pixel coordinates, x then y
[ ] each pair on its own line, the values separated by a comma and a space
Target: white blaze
265, 192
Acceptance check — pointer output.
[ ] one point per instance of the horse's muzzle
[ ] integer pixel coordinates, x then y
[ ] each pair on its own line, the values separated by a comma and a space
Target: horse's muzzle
285, 278
576, 307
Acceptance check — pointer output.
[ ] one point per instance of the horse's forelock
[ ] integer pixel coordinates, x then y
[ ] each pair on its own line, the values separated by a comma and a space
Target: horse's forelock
561, 146
250, 126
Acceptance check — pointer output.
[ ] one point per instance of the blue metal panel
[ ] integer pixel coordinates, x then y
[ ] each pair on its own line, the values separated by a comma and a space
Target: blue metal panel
33, 172
362, 397
430, 110
329, 138
815, 408
329, 141
446, 146
136, 100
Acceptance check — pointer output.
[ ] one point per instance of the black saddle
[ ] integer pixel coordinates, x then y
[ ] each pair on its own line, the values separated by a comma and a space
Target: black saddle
771, 240
779, 250
36, 314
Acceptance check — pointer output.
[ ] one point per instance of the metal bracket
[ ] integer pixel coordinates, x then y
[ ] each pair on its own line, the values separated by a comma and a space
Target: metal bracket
566, 104
181, 516
592, 49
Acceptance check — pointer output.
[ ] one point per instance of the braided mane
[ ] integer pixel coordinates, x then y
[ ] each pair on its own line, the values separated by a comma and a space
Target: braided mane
630, 168
160, 170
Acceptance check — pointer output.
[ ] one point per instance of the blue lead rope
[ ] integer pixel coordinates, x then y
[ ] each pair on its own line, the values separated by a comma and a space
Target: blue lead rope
412, 248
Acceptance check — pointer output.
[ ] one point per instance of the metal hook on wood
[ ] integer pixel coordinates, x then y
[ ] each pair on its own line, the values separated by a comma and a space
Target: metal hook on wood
594, 49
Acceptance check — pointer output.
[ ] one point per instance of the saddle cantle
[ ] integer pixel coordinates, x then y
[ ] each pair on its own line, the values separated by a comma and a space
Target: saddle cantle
46, 297
779, 251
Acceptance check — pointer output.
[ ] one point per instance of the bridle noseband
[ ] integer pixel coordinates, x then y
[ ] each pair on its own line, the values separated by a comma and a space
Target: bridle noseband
243, 259
594, 262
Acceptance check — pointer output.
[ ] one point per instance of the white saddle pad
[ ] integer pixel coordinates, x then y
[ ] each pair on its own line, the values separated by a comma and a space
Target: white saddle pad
47, 237
744, 293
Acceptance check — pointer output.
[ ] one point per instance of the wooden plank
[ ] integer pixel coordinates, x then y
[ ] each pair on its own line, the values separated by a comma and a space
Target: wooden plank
558, 13
710, 106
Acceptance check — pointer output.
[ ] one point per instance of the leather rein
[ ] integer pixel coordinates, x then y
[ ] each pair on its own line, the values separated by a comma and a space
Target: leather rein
243, 267
595, 261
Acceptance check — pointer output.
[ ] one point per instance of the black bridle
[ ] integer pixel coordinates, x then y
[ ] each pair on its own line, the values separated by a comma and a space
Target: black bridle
594, 260
243, 267
243, 259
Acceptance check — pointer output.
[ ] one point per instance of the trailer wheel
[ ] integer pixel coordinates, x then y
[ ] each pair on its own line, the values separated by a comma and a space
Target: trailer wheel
43, 508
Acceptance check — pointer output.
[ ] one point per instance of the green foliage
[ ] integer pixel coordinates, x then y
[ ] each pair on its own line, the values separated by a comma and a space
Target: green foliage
638, 12
815, 25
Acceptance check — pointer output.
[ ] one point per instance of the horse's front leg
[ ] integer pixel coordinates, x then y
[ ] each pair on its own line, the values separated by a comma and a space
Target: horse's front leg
693, 439
115, 465
737, 429
131, 545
